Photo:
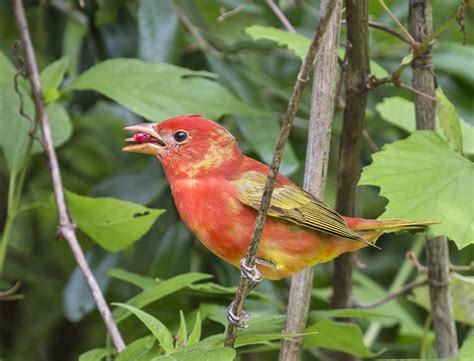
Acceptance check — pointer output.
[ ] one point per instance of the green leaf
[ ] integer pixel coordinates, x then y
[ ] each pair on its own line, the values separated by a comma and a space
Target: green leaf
462, 296
424, 179
467, 349
182, 335
293, 41
401, 113
221, 354
112, 223
195, 334
160, 290
77, 299
449, 120
143, 349
453, 58
158, 91
158, 329
134, 278
338, 336
349, 313
96, 354
51, 78
253, 338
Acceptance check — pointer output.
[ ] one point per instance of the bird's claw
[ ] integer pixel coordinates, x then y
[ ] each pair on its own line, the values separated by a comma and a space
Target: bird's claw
235, 320
252, 273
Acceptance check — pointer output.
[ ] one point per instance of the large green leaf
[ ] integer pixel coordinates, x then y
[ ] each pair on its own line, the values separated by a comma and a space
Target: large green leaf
51, 78
449, 120
221, 354
401, 113
112, 223
159, 291
158, 91
143, 349
156, 327
462, 296
134, 278
96, 354
467, 349
424, 179
337, 336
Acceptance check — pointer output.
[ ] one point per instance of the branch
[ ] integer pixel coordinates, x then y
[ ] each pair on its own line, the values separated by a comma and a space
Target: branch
411, 41
323, 98
227, 14
9, 295
281, 16
66, 226
437, 253
391, 296
302, 79
385, 28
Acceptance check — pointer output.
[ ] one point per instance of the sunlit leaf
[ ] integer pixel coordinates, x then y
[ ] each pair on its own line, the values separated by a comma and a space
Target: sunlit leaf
96, 354
449, 120
158, 91
112, 223
143, 349
135, 279
158, 329
424, 179
195, 334
51, 78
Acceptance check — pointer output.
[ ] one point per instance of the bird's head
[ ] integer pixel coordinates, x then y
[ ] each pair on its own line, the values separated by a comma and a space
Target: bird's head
186, 146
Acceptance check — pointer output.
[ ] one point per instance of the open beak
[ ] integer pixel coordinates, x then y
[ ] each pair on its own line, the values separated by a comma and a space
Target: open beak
146, 140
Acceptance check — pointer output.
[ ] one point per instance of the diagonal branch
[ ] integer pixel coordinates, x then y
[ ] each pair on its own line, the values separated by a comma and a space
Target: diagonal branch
66, 226
302, 79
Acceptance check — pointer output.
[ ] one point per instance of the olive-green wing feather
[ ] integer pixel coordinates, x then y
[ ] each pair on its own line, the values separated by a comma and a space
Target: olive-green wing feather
294, 205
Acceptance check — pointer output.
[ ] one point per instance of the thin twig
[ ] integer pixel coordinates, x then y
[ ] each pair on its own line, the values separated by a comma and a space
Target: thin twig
10, 295
302, 79
391, 296
370, 142
202, 43
373, 82
412, 41
281, 16
385, 28
227, 14
66, 226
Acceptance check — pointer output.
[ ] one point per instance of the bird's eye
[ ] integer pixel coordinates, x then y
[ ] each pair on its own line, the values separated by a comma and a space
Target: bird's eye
180, 136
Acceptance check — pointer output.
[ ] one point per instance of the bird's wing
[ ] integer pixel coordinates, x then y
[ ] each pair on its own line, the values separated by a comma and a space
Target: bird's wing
292, 204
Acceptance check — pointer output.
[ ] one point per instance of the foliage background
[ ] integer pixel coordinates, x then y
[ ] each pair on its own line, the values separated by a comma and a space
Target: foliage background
56, 319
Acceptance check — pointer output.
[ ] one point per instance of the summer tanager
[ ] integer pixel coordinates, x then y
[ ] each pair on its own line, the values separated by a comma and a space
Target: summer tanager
217, 191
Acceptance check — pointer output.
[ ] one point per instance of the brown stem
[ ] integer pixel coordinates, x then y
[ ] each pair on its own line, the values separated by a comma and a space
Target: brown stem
317, 158
349, 168
302, 79
411, 40
391, 296
437, 255
281, 16
66, 226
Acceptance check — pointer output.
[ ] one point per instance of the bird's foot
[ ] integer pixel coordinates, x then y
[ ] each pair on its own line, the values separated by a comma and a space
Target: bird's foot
235, 320
252, 273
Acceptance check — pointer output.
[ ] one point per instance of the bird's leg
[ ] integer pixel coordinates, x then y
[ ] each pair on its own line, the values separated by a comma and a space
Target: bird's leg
254, 276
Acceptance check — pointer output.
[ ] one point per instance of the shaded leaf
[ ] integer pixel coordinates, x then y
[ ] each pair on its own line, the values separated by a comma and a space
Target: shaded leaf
221, 354
112, 223
77, 298
449, 120
96, 354
182, 335
424, 179
134, 278
51, 78
158, 291
195, 334
143, 349
337, 336
462, 296
158, 91
158, 329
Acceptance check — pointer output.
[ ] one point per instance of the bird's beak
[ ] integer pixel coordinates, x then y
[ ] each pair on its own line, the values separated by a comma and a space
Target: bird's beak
146, 140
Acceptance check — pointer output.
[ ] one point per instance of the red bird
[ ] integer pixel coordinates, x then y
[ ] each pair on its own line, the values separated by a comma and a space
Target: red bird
217, 192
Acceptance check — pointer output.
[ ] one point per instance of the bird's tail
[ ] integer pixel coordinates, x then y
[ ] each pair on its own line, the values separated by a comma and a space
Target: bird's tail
371, 229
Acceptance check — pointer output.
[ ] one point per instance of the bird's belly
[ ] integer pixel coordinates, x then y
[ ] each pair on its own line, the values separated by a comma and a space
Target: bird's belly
225, 225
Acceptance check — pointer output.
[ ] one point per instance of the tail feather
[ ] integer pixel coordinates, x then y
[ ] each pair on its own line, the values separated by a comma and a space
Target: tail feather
360, 224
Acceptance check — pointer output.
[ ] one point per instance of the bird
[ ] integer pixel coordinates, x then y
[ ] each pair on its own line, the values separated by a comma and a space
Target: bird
217, 191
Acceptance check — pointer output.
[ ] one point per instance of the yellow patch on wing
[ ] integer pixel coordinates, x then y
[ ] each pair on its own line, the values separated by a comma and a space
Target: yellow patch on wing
293, 204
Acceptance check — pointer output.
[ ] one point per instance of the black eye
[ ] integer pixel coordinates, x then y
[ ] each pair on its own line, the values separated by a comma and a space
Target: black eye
180, 136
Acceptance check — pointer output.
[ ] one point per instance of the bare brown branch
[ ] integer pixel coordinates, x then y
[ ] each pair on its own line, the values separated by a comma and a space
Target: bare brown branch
66, 226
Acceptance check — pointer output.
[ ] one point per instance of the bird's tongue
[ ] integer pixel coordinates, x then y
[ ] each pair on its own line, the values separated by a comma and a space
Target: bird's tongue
142, 138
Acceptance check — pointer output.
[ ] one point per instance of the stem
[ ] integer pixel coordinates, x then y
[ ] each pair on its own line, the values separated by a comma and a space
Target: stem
317, 158
402, 276
437, 254
392, 295
66, 226
411, 40
302, 79
281, 16
357, 72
